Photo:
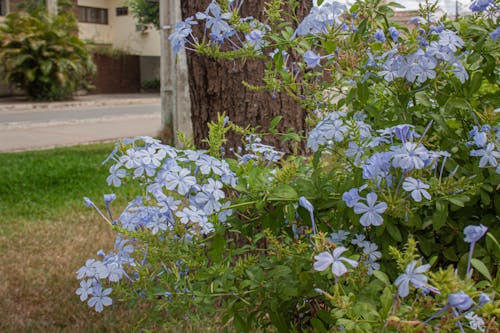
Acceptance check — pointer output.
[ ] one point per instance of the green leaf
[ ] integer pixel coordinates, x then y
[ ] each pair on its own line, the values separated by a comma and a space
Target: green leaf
217, 247
382, 277
393, 232
396, 5
284, 191
457, 103
475, 82
440, 215
363, 92
481, 268
459, 200
276, 120
318, 325
450, 254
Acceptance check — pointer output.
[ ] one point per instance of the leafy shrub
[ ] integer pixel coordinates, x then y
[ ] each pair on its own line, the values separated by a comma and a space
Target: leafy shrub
391, 224
43, 55
152, 85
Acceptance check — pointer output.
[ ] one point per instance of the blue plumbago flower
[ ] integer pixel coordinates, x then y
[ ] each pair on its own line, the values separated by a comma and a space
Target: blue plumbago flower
409, 156
219, 39
331, 129
479, 137
179, 37
179, 179
85, 289
480, 5
217, 22
359, 240
451, 40
160, 222
255, 38
353, 150
88, 202
488, 155
108, 198
208, 201
460, 300
371, 266
312, 59
379, 36
195, 218
417, 20
460, 72
115, 175
307, 205
100, 298
377, 166
394, 33
88, 270
371, 210
167, 203
403, 132
190, 214
351, 197
483, 299
325, 259
265, 152
495, 33
473, 233
225, 212
417, 188
321, 19
414, 275
370, 249
338, 237
475, 322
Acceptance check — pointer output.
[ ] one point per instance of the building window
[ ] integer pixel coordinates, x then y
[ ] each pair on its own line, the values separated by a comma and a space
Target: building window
92, 15
122, 11
3, 7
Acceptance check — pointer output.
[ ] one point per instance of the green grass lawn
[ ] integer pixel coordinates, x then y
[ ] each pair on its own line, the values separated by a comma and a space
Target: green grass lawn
46, 184
47, 232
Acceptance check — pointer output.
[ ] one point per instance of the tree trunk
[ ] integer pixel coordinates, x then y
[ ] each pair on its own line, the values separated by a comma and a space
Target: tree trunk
216, 87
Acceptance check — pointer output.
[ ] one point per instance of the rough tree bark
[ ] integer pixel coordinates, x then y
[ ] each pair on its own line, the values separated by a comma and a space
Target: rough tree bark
216, 86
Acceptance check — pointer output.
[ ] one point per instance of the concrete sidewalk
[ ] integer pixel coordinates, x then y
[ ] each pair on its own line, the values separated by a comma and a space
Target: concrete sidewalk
28, 125
8, 104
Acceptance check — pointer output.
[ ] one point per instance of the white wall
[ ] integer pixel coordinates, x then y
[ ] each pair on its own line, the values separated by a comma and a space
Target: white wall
120, 31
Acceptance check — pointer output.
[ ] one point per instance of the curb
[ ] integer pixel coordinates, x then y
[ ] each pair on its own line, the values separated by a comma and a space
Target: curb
21, 106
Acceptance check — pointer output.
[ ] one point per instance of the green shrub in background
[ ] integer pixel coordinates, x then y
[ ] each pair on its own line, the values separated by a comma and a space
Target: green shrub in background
43, 55
151, 85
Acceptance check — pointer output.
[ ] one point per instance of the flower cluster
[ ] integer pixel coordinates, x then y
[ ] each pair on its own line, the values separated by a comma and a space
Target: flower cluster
111, 268
439, 48
186, 185
486, 140
383, 156
184, 197
219, 28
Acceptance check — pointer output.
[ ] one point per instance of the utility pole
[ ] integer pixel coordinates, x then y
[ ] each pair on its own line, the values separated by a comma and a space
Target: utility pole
168, 74
51, 7
175, 101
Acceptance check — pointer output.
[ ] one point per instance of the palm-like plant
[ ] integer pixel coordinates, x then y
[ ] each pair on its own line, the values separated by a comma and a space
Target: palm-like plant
43, 55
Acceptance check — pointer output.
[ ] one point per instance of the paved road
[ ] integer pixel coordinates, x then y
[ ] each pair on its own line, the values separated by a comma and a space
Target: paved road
47, 128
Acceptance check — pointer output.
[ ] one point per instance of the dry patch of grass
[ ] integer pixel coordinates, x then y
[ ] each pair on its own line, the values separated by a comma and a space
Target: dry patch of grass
38, 262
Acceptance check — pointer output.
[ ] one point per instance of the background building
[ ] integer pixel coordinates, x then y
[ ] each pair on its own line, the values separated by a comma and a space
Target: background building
127, 55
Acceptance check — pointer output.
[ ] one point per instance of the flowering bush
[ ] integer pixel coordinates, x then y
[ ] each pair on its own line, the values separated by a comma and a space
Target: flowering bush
391, 222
